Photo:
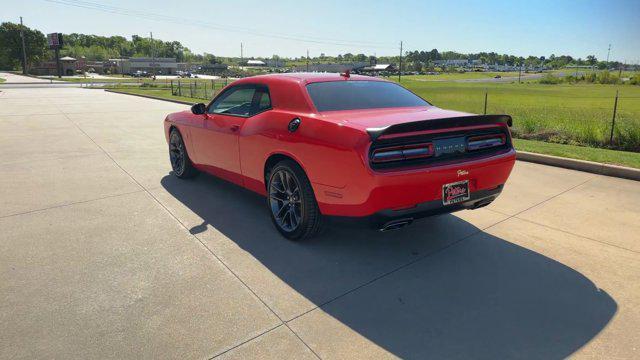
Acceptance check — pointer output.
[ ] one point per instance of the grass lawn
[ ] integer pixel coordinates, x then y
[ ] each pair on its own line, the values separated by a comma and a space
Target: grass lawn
460, 76
572, 71
2, 80
606, 156
158, 93
577, 114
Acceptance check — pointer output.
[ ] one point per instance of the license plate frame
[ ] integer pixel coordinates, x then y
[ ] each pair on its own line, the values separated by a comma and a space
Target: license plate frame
456, 192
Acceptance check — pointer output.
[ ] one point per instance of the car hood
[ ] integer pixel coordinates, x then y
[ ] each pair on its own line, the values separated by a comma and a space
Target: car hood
377, 118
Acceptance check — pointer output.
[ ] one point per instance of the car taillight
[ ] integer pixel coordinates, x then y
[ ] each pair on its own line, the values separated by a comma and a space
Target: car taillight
405, 152
485, 141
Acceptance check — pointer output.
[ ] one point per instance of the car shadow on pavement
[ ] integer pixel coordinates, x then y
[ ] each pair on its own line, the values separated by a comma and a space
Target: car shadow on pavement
438, 292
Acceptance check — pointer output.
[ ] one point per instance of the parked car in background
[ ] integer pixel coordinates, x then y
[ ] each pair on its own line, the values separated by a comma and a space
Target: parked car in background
140, 73
322, 146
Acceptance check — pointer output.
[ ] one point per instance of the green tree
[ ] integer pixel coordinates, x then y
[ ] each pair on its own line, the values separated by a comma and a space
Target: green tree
11, 46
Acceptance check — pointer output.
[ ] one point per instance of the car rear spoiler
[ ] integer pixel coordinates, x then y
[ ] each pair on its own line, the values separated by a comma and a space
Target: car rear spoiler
436, 124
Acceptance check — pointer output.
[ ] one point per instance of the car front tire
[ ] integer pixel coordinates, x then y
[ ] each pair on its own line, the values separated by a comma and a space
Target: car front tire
290, 197
178, 156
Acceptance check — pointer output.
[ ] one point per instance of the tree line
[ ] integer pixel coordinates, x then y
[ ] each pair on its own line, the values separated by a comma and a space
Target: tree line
92, 47
100, 48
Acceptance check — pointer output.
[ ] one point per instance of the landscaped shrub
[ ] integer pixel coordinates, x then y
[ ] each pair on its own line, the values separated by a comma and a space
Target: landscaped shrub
550, 80
607, 78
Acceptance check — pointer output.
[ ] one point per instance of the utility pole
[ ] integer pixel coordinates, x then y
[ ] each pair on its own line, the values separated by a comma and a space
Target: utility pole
153, 56
307, 60
24, 50
400, 64
620, 70
608, 52
241, 53
520, 72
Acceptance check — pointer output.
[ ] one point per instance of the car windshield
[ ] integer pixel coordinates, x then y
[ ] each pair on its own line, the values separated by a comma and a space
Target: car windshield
357, 94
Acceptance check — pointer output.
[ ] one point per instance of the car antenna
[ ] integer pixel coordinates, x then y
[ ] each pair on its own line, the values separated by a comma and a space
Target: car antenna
346, 74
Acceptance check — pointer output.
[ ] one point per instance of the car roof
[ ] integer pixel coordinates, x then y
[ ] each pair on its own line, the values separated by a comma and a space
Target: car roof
306, 78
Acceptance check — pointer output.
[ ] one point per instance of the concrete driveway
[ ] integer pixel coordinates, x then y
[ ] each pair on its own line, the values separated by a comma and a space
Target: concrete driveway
11, 78
103, 254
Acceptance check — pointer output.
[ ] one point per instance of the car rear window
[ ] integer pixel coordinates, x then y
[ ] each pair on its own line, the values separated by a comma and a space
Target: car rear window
358, 94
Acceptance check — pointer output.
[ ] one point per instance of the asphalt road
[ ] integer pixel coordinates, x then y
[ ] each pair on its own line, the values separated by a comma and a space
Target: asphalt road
103, 254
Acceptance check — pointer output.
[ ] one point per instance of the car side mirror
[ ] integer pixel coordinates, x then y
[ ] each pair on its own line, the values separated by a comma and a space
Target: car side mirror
199, 108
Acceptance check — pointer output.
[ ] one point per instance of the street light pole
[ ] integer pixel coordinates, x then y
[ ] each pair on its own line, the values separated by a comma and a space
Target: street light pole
24, 50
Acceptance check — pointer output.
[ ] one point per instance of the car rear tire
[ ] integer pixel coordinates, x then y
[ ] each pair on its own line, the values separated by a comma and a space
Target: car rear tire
179, 158
290, 197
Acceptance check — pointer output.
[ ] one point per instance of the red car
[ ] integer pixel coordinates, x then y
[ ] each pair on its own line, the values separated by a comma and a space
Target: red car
324, 146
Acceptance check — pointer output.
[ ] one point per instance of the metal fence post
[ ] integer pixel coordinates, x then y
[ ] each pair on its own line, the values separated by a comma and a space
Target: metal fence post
485, 101
172, 93
179, 89
613, 120
191, 89
204, 94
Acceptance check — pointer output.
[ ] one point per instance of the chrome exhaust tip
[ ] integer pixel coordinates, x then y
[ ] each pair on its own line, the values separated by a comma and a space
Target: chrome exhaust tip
395, 224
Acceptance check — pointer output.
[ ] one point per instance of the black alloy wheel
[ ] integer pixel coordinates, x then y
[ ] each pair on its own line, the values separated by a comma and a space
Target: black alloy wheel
294, 210
178, 156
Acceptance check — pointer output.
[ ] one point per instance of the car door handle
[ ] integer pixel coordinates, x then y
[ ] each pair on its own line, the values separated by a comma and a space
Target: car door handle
235, 128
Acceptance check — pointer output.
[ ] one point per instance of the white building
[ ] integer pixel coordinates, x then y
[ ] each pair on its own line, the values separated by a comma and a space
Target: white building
256, 63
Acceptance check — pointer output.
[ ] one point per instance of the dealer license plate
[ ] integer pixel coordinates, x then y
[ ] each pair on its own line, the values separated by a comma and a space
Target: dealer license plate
455, 192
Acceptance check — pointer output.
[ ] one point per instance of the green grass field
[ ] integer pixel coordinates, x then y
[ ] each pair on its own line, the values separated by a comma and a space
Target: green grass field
460, 76
573, 114
160, 93
606, 156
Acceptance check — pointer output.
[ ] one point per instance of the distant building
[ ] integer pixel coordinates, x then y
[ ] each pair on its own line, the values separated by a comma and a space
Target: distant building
331, 68
256, 63
166, 66
68, 64
213, 68
453, 62
379, 68
498, 67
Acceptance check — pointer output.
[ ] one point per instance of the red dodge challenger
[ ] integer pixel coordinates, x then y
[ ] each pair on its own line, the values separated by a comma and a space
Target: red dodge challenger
324, 146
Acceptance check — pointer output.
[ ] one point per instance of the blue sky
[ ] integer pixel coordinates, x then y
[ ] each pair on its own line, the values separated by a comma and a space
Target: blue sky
577, 27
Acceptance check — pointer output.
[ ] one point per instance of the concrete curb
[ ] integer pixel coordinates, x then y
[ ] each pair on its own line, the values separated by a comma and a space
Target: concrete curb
580, 165
150, 97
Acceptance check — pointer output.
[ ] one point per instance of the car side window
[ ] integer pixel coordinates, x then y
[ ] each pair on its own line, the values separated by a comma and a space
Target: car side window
264, 101
234, 102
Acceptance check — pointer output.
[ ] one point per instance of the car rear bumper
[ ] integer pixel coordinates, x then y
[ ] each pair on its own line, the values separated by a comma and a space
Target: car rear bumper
390, 219
377, 192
